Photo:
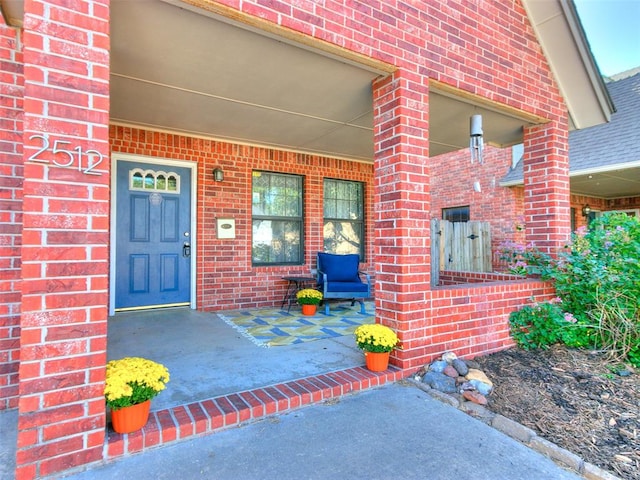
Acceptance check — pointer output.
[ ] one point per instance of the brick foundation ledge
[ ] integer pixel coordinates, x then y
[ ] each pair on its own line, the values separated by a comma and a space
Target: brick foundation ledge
227, 411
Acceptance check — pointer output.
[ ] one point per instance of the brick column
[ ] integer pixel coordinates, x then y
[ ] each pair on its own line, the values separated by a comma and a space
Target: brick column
11, 174
546, 186
65, 236
401, 206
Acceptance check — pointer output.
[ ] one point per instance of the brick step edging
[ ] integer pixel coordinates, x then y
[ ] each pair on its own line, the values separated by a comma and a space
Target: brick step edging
232, 410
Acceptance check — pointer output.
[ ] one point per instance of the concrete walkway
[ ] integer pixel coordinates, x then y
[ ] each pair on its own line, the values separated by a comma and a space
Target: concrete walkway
396, 431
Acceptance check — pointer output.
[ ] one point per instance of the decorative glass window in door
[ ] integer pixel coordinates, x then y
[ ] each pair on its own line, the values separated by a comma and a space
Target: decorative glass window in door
154, 181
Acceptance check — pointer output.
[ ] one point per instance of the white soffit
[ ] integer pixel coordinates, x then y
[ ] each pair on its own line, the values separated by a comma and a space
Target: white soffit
565, 46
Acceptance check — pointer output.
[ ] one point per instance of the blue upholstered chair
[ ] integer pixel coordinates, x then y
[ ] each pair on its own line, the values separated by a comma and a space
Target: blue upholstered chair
339, 277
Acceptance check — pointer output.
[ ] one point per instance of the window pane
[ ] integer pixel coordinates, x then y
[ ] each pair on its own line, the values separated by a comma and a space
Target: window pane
342, 237
276, 239
161, 183
137, 181
343, 216
456, 214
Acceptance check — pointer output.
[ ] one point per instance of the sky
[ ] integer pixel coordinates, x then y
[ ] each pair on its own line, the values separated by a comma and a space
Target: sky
613, 31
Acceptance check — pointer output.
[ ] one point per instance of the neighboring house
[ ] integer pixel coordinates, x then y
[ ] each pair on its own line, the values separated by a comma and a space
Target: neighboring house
604, 160
604, 163
194, 152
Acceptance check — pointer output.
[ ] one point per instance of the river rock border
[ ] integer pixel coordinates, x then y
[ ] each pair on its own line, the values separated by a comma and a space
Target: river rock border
474, 405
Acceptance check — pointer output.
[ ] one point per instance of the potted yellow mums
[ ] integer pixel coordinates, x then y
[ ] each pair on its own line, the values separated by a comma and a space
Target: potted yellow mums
130, 385
309, 298
377, 341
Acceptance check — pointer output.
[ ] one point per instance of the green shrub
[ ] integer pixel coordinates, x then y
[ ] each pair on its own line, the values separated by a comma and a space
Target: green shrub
597, 277
536, 326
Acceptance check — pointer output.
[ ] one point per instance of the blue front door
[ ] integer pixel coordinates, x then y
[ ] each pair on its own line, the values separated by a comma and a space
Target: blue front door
153, 236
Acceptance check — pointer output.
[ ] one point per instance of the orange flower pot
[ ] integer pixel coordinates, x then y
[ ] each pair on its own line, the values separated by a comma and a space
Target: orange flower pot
130, 419
309, 310
377, 361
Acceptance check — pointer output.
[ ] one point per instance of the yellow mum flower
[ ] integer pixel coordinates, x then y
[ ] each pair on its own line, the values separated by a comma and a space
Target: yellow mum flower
133, 380
376, 338
309, 296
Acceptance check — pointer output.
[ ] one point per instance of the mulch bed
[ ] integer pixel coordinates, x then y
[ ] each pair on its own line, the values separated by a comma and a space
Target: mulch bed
573, 398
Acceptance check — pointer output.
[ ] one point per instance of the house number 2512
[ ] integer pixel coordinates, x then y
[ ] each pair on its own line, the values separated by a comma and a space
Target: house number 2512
67, 157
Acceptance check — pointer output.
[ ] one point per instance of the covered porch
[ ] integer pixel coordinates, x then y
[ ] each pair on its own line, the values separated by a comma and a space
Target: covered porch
200, 85
220, 377
207, 357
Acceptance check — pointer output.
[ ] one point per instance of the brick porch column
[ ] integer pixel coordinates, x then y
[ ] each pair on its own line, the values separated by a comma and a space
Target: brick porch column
546, 185
65, 236
11, 86
401, 207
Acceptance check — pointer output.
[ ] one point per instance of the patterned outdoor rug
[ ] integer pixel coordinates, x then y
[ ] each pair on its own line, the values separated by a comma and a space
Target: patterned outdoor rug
269, 327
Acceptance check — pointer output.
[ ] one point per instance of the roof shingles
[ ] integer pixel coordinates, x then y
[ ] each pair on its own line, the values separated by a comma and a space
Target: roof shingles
608, 144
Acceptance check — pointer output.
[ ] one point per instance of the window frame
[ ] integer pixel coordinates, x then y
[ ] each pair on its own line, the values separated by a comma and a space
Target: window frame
361, 221
280, 218
460, 207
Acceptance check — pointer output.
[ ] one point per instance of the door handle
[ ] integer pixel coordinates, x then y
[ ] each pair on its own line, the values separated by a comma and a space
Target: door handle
186, 249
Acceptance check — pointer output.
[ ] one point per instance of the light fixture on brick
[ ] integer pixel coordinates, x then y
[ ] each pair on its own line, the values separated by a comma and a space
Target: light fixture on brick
218, 174
586, 210
476, 144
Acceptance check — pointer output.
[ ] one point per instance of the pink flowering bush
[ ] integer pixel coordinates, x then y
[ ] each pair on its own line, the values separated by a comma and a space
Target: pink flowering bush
597, 278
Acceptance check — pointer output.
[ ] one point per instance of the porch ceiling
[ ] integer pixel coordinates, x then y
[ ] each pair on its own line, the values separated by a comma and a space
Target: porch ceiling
621, 183
178, 68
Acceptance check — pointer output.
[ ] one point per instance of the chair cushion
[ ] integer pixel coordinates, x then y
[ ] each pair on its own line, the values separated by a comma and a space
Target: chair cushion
339, 268
350, 287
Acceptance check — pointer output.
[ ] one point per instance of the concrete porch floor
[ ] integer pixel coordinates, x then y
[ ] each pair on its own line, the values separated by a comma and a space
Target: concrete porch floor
219, 378
207, 358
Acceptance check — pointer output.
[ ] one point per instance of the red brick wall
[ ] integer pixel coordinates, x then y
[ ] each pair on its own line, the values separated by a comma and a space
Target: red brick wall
503, 207
452, 186
623, 203
11, 177
460, 278
546, 180
225, 277
601, 205
478, 314
486, 48
61, 421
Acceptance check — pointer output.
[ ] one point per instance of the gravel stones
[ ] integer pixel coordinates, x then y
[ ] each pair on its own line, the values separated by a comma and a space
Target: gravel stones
451, 374
437, 366
460, 366
439, 381
449, 371
475, 397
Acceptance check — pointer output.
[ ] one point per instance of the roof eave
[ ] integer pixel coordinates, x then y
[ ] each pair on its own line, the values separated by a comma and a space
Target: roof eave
564, 43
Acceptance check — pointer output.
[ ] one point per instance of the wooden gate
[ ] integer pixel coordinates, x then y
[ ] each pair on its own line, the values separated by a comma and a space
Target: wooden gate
460, 247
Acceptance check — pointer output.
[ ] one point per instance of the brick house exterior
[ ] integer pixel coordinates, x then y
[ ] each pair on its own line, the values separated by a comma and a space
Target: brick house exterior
55, 216
609, 149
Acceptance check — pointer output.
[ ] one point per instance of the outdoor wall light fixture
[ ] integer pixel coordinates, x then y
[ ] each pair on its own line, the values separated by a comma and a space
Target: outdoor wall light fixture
586, 210
218, 174
476, 144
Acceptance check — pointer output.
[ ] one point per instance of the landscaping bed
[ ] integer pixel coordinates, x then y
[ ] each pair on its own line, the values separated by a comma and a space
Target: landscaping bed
576, 399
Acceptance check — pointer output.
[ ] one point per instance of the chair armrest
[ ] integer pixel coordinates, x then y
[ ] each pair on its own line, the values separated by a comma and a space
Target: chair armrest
367, 276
